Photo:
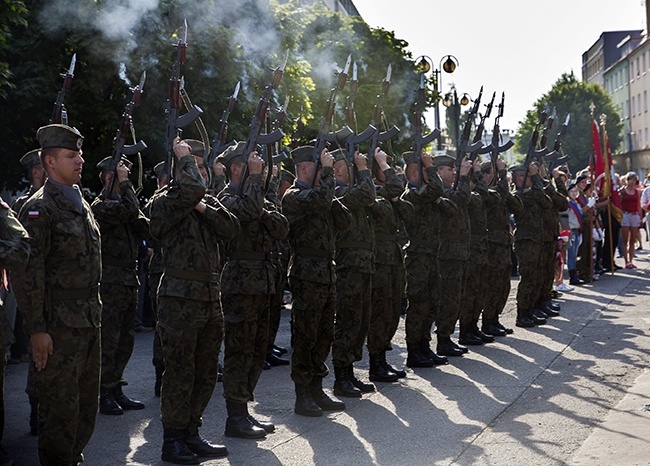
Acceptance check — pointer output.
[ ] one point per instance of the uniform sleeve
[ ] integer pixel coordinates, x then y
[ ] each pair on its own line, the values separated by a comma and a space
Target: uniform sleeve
109, 212
362, 194
250, 204
221, 221
302, 203
14, 241
392, 188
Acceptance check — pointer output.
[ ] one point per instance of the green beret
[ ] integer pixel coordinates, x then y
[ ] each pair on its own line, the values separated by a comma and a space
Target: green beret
198, 148
517, 168
409, 157
231, 153
59, 136
287, 176
105, 164
440, 160
159, 169
339, 154
31, 158
302, 154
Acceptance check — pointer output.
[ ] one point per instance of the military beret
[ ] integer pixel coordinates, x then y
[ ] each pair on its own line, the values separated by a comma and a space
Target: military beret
302, 154
338, 154
159, 169
31, 158
287, 176
409, 157
517, 168
198, 148
440, 160
105, 163
231, 153
59, 136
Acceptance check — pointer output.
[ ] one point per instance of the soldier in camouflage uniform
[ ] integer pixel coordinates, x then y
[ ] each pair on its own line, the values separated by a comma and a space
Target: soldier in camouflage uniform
314, 216
122, 226
499, 204
424, 191
453, 251
58, 294
189, 224
354, 269
14, 251
36, 174
529, 242
248, 281
389, 278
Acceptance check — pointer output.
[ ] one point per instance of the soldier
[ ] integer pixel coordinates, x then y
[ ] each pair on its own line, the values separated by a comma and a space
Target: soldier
314, 215
122, 226
36, 174
389, 278
14, 251
248, 281
499, 204
58, 293
528, 242
424, 191
189, 224
354, 269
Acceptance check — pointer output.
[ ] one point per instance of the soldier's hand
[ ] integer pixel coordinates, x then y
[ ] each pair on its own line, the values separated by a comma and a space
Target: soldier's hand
476, 166
533, 169
181, 148
427, 160
255, 164
326, 159
218, 168
381, 158
465, 167
360, 161
501, 165
276, 170
122, 172
42, 348
200, 207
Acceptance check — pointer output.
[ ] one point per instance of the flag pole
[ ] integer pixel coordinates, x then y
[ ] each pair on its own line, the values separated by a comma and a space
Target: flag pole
592, 107
608, 186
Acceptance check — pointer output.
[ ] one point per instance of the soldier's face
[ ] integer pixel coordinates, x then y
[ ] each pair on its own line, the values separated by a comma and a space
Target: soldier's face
202, 170
341, 171
38, 175
488, 176
446, 174
65, 166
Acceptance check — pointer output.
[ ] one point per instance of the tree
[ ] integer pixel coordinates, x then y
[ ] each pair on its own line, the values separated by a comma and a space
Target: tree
570, 96
12, 13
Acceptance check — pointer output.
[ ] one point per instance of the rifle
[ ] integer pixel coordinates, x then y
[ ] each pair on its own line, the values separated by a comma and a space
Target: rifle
464, 146
59, 113
478, 136
220, 135
120, 148
420, 141
175, 121
554, 158
255, 129
324, 136
275, 153
495, 148
380, 136
353, 140
532, 153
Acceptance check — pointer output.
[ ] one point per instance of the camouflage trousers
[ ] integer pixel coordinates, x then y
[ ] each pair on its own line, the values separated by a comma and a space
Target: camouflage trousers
477, 283
498, 270
353, 293
275, 310
451, 287
245, 343
388, 283
154, 281
312, 310
68, 391
422, 294
529, 258
191, 360
119, 305
548, 261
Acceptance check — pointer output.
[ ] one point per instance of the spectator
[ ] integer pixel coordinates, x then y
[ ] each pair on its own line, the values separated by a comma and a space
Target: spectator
631, 205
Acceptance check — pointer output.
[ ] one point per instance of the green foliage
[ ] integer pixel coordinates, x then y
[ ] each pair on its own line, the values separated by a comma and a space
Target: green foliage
569, 95
12, 13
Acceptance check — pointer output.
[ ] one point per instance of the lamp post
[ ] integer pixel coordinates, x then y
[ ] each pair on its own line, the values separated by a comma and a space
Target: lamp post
453, 103
448, 63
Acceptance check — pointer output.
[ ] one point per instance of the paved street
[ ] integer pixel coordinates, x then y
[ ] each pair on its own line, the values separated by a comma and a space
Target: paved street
575, 391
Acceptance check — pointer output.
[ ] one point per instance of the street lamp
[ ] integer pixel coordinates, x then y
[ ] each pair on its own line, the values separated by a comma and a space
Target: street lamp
453, 103
424, 64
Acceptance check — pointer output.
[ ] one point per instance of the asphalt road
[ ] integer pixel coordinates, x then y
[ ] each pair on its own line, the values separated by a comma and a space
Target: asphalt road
574, 391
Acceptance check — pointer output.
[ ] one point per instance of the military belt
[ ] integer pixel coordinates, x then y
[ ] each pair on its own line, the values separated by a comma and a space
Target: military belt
72, 294
194, 275
250, 256
353, 245
313, 252
131, 265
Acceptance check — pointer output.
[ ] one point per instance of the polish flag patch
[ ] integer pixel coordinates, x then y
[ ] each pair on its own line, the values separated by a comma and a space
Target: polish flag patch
33, 214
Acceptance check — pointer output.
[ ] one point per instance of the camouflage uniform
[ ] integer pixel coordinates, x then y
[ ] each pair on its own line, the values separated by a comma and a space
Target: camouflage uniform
20, 201
58, 293
154, 274
190, 321
122, 226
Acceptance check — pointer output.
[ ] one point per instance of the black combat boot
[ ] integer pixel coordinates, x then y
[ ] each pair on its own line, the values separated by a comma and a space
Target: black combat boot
547, 311
361, 385
158, 384
238, 424
416, 358
201, 447
33, 415
274, 359
399, 373
321, 398
305, 403
446, 347
124, 401
467, 336
537, 316
429, 353
490, 327
552, 305
174, 448
379, 372
508, 330
523, 319
107, 403
343, 385
268, 427
484, 337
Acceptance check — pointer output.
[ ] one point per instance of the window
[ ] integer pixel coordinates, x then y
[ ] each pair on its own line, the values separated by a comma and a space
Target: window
645, 101
632, 107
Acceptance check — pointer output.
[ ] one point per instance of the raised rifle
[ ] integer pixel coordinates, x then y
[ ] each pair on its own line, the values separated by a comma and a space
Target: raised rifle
378, 135
275, 153
255, 135
218, 145
59, 113
121, 148
554, 159
463, 145
324, 136
495, 148
533, 154
420, 141
175, 120
478, 136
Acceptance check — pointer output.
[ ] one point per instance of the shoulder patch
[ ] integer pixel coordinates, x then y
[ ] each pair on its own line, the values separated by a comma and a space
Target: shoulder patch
33, 214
